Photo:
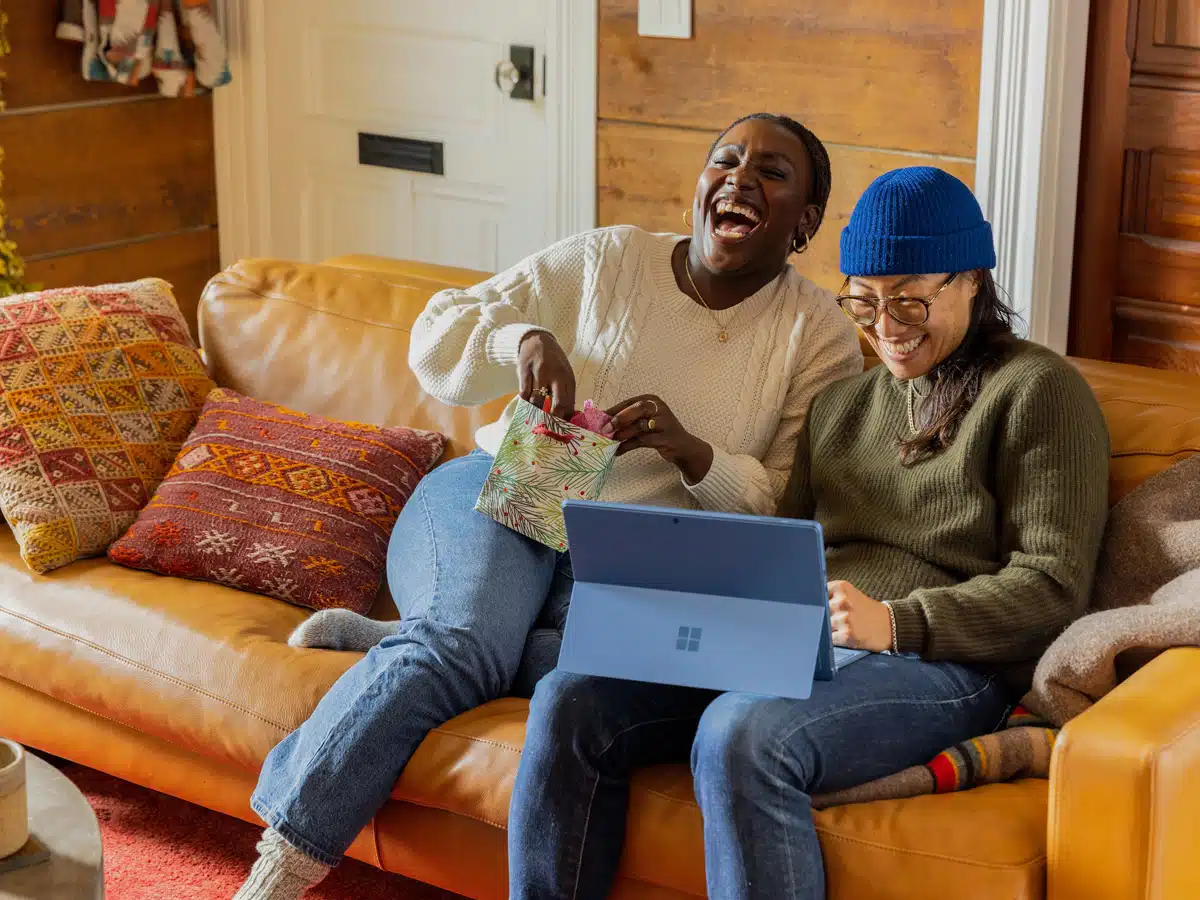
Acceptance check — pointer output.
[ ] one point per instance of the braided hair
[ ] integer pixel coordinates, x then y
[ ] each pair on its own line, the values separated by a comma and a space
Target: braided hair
822, 177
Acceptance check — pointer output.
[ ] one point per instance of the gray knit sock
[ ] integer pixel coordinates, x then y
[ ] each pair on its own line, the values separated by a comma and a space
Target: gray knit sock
281, 872
340, 629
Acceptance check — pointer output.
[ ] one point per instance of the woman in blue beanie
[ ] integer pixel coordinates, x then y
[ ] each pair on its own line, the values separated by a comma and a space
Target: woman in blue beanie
962, 490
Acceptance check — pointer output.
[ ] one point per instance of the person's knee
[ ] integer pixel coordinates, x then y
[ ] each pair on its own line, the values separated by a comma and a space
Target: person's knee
561, 710
462, 663
737, 742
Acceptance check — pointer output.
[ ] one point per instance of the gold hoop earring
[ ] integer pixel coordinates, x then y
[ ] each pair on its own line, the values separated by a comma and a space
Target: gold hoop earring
799, 249
686, 210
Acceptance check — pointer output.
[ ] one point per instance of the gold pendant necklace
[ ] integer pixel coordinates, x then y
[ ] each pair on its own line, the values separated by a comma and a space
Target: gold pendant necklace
722, 330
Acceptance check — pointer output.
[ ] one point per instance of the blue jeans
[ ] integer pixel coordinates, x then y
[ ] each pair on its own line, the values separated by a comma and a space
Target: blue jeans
756, 760
469, 591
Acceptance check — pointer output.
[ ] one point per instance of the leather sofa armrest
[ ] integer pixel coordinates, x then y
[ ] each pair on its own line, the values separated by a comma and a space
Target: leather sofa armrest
1125, 790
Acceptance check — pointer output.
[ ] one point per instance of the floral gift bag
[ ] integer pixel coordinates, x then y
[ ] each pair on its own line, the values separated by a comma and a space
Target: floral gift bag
543, 461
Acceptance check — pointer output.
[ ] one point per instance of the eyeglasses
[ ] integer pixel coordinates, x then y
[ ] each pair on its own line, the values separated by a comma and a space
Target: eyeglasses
864, 311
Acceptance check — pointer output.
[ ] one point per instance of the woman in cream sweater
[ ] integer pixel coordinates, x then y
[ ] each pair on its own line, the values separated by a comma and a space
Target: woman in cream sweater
707, 348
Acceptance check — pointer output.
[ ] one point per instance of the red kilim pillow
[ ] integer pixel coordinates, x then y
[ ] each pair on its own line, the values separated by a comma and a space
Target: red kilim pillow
281, 503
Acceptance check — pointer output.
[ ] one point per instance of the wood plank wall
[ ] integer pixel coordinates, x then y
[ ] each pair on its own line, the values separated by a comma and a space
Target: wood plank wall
883, 84
103, 182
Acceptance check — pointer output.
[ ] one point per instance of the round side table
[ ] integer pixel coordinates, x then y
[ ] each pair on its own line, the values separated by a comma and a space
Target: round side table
60, 817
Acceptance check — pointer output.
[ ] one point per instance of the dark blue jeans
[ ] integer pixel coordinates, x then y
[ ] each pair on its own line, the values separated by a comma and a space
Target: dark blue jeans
756, 761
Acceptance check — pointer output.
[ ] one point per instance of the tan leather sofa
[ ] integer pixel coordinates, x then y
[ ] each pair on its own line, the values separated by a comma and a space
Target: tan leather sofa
184, 687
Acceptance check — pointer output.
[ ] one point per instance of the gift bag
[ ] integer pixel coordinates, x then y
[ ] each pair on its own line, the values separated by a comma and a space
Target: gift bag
542, 462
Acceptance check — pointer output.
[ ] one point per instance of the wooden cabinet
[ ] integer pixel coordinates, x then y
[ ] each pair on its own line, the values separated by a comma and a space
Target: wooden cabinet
1136, 295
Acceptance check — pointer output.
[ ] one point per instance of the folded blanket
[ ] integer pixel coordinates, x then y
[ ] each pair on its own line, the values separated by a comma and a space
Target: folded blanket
1146, 599
124, 41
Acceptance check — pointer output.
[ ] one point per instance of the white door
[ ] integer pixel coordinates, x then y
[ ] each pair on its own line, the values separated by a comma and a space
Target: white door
422, 70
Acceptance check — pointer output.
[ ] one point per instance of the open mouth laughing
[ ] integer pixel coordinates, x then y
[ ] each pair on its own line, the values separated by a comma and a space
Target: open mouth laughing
734, 220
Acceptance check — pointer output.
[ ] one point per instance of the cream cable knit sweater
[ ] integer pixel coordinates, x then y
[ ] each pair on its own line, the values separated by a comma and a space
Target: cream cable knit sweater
610, 299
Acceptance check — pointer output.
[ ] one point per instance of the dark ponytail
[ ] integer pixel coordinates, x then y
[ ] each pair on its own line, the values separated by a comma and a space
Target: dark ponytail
958, 379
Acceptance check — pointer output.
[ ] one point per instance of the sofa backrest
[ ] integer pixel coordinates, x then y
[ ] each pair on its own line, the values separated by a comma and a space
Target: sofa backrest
1153, 419
326, 340
332, 339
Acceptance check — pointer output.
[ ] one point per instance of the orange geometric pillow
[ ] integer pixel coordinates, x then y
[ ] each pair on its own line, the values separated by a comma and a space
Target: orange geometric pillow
98, 389
282, 503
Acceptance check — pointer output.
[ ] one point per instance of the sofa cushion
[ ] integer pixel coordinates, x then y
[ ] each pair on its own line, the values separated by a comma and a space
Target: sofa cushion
282, 503
100, 386
199, 665
329, 342
469, 764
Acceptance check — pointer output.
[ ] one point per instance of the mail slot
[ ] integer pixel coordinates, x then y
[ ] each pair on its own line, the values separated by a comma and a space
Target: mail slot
400, 153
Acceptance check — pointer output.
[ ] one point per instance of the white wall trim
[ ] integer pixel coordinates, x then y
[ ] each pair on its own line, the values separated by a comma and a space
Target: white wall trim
1027, 163
572, 86
240, 134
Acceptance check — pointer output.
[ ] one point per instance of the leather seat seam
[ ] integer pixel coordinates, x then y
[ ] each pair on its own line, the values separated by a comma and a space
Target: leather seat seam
291, 301
1187, 732
833, 834
1041, 858
143, 668
445, 808
478, 740
119, 724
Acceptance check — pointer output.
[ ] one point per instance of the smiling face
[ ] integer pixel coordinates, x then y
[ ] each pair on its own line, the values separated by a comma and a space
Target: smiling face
910, 351
752, 199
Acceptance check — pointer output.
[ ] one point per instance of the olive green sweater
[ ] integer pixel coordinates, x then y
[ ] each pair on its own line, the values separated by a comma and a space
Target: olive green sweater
987, 550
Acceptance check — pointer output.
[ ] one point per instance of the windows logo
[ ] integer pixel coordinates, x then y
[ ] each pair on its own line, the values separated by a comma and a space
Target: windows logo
688, 639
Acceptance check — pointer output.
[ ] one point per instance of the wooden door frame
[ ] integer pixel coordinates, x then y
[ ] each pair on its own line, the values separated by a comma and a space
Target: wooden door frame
240, 124
240, 135
1101, 178
1027, 153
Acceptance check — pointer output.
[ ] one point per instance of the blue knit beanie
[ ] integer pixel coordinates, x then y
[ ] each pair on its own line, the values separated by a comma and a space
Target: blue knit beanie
916, 221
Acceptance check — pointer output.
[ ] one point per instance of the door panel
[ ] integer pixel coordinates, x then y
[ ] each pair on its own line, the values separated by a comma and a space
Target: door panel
1145, 284
342, 214
1168, 38
1146, 333
422, 71
460, 225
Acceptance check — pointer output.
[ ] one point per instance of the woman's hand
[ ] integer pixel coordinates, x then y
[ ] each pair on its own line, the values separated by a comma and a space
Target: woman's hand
543, 368
647, 423
858, 621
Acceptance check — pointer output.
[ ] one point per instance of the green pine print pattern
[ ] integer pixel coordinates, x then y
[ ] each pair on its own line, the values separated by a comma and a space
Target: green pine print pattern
533, 474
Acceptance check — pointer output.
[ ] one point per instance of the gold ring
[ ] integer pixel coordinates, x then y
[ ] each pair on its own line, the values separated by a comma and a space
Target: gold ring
650, 425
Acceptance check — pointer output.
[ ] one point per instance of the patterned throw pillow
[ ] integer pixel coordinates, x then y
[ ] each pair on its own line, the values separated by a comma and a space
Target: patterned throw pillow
100, 387
281, 503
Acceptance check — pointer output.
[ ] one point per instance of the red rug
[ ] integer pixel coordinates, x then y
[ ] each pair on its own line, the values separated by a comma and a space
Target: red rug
159, 848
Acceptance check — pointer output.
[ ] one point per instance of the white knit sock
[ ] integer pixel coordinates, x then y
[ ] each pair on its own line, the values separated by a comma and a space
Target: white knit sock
281, 872
340, 629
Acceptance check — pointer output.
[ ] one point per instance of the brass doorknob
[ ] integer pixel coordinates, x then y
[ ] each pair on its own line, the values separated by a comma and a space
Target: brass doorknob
507, 76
